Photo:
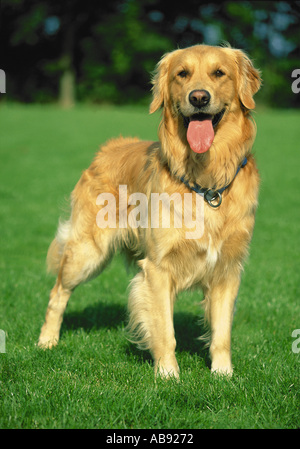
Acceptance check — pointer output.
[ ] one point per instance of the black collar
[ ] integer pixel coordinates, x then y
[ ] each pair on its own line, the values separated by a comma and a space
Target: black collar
211, 195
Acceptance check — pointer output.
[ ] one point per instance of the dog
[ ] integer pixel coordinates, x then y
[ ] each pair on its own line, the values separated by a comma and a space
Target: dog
203, 154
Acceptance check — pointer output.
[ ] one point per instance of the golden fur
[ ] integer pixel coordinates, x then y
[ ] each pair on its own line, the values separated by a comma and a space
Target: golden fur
169, 262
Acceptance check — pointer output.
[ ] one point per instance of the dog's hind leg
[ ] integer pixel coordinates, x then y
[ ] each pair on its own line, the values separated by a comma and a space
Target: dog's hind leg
151, 317
80, 261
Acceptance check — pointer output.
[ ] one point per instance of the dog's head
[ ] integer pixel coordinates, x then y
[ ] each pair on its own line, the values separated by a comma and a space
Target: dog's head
201, 85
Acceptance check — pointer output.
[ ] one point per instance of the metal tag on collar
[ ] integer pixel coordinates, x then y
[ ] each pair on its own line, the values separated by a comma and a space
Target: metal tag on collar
213, 195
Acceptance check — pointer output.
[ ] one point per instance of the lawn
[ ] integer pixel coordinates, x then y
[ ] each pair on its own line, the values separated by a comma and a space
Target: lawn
95, 378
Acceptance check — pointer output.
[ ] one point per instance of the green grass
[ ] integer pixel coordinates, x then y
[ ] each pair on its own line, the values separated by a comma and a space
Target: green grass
95, 378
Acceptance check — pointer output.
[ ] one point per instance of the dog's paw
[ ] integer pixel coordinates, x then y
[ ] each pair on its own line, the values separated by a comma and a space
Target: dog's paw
221, 362
167, 371
47, 342
225, 370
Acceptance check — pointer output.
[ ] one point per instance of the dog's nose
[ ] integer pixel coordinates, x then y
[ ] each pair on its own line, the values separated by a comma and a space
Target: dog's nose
199, 98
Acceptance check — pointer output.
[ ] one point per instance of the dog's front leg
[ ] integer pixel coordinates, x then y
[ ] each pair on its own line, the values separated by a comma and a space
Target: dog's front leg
221, 297
151, 317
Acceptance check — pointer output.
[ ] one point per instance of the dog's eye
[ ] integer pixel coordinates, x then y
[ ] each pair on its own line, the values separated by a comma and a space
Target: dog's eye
182, 74
219, 73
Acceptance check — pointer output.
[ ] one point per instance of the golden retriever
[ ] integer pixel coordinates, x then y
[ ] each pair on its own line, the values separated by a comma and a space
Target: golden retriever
203, 157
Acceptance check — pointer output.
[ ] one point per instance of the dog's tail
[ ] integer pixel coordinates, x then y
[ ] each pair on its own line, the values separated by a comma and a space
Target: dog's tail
56, 248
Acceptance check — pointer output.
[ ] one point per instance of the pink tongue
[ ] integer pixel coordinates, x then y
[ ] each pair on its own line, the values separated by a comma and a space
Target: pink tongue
200, 135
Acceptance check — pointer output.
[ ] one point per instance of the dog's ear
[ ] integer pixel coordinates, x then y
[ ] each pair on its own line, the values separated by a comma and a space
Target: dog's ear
159, 81
249, 80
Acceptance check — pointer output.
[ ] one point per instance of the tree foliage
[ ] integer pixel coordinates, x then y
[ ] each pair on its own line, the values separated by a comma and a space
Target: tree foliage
105, 51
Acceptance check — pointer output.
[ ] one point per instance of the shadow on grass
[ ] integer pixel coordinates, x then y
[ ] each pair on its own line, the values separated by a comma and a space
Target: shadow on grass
96, 317
111, 316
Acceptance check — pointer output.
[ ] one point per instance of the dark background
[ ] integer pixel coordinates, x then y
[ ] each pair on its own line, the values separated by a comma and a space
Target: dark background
104, 51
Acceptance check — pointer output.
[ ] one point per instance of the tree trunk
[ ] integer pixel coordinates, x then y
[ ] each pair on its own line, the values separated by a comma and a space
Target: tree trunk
67, 88
67, 97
